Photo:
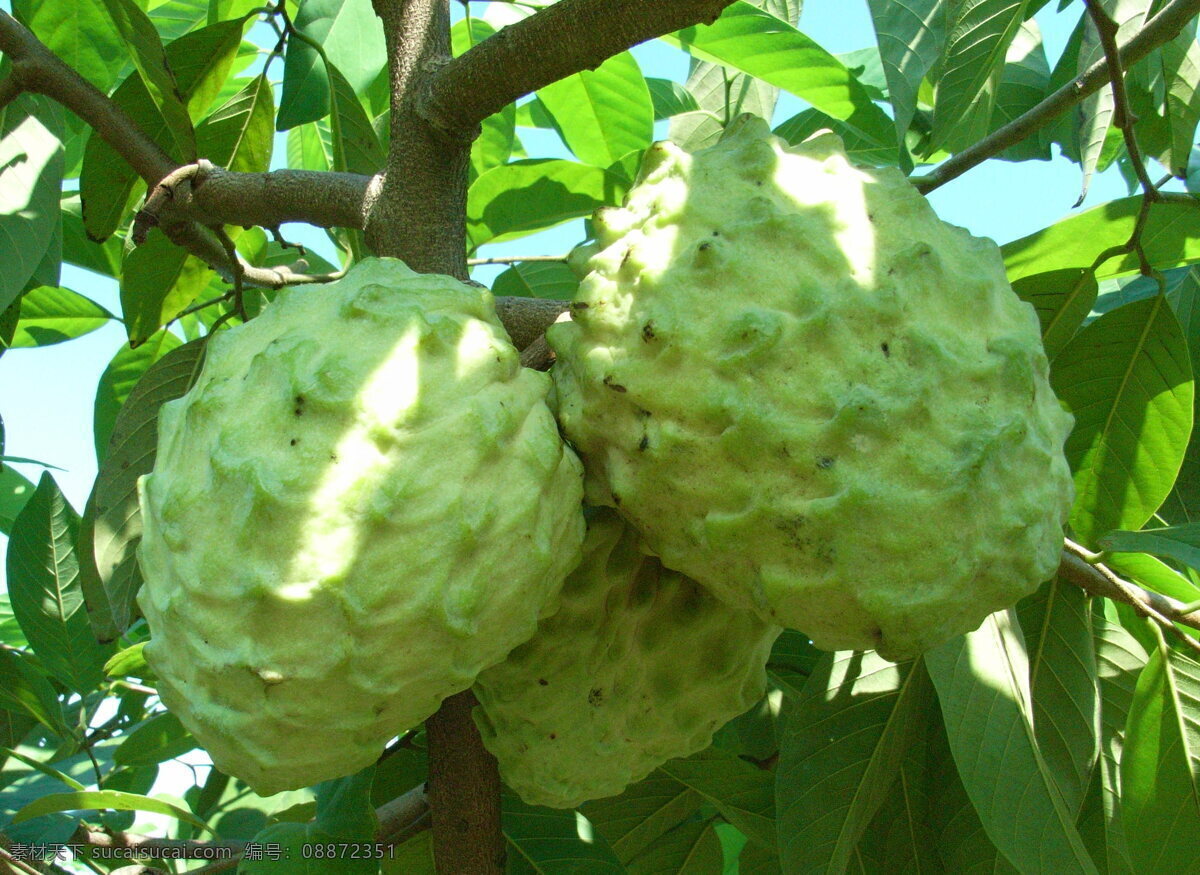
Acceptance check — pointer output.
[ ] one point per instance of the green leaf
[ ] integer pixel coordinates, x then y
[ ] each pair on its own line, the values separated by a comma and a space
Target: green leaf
803, 125
978, 35
157, 740
602, 114
757, 43
414, 857
15, 490
1160, 764
1127, 379
113, 524
721, 96
901, 837
494, 145
841, 747
1057, 624
1024, 83
118, 379
155, 70
1181, 75
742, 793
239, 135
1171, 238
200, 62
23, 688
31, 171
51, 315
669, 98
1063, 299
44, 768
99, 800
632, 821
80, 34
158, 281
911, 38
81, 250
982, 684
351, 36
130, 662
549, 840
533, 194
691, 848
43, 584
1184, 503
537, 279
1181, 543
356, 149
310, 147
1119, 660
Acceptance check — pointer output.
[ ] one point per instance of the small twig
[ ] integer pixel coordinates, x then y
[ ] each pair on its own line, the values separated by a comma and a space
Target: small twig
515, 259
136, 688
15, 865
195, 308
1124, 118
1079, 568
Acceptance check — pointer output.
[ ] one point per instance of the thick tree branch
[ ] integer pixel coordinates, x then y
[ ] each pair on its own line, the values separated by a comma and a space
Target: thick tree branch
1161, 29
565, 38
35, 68
526, 319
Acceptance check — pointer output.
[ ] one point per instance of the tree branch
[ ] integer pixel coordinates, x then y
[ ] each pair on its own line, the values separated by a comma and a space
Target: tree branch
1160, 29
560, 40
1078, 568
35, 68
186, 849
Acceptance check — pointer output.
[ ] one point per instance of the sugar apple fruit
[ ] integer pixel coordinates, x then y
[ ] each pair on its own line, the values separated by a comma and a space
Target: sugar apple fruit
362, 502
815, 397
639, 665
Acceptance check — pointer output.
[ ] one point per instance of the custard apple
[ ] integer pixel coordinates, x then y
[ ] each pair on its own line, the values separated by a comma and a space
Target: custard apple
640, 665
815, 397
362, 502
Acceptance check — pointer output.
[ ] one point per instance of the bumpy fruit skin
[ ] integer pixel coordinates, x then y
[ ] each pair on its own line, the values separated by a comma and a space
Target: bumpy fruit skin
361, 503
815, 397
640, 665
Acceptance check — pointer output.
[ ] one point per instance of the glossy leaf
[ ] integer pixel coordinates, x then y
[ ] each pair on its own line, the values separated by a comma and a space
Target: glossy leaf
742, 793
549, 840
1160, 764
602, 114
81, 250
113, 526
31, 169
911, 38
82, 35
351, 36
1171, 238
239, 134
118, 380
537, 279
157, 740
632, 821
755, 42
15, 490
50, 315
691, 848
105, 799
158, 281
1024, 83
669, 98
1127, 379
43, 584
982, 684
1063, 684
1063, 299
530, 195
977, 41
24, 689
721, 95
1181, 543
356, 149
841, 747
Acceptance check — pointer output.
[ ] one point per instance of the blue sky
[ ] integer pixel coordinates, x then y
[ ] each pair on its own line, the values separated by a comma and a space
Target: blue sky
46, 395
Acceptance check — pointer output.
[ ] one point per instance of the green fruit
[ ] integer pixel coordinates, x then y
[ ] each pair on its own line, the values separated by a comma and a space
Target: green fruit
640, 665
815, 397
362, 503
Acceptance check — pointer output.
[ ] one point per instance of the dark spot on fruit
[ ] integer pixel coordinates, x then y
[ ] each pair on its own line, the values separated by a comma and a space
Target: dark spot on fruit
616, 500
616, 387
716, 233
293, 442
886, 349
891, 270
299, 408
579, 305
543, 682
645, 414
870, 217
644, 442
595, 697
825, 462
704, 247
553, 735
648, 331
333, 457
